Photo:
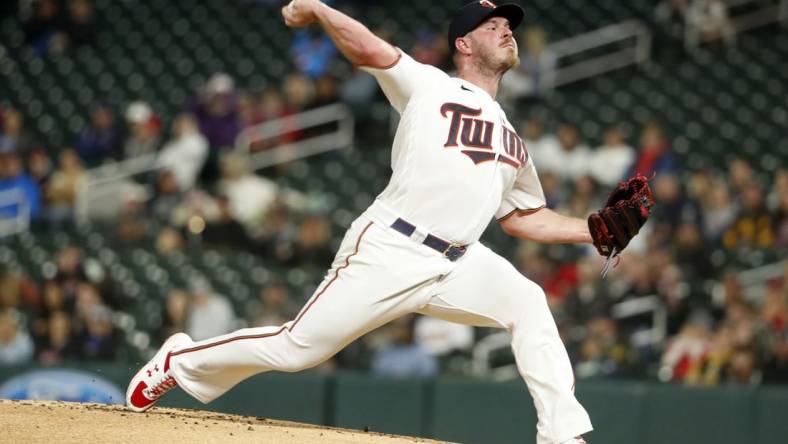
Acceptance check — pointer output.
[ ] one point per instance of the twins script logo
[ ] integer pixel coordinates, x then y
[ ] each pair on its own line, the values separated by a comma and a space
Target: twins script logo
487, 4
476, 136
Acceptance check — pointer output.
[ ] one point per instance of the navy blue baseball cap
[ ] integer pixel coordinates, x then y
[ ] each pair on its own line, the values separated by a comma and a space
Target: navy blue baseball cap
467, 18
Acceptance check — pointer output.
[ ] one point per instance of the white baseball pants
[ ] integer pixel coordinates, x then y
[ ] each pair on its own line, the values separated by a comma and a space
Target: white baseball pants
379, 275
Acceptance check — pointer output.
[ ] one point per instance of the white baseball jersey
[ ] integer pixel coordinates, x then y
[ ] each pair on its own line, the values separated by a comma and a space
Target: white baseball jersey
456, 159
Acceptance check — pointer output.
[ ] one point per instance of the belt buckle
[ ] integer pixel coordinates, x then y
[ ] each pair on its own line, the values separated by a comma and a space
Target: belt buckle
454, 251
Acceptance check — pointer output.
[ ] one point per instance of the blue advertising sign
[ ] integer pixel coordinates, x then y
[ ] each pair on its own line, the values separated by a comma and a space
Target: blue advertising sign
62, 385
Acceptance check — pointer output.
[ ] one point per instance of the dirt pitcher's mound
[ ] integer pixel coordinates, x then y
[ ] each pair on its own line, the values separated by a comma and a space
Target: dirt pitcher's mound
64, 423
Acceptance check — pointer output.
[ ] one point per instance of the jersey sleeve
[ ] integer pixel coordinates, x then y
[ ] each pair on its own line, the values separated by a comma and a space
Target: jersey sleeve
525, 195
404, 79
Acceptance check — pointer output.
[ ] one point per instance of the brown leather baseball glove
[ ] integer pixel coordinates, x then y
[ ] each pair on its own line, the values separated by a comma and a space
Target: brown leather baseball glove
625, 212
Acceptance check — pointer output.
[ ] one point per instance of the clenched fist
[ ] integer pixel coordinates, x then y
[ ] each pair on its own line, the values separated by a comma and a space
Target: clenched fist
300, 13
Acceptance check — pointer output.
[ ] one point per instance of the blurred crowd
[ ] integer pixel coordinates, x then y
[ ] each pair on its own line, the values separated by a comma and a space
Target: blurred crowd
67, 317
705, 325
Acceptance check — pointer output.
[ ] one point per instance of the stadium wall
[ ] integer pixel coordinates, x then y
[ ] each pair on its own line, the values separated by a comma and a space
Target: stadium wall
472, 411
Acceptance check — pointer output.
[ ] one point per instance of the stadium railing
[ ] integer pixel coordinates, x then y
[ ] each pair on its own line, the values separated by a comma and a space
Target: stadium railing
612, 36
98, 190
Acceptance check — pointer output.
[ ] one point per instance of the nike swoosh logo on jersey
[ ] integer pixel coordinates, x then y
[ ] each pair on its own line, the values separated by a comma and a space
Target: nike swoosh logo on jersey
464, 88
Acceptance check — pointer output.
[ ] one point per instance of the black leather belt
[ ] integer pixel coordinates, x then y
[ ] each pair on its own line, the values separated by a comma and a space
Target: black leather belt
450, 250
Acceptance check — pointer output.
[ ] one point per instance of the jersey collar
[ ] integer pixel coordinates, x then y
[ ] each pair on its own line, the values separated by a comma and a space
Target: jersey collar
473, 88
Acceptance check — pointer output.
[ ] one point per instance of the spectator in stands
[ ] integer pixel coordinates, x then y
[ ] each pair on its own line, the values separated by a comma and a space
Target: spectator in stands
325, 91
555, 193
70, 272
278, 230
777, 202
359, 90
14, 138
709, 369
602, 354
132, 223
101, 140
167, 196
14, 180
775, 369
431, 49
99, 340
273, 107
671, 14
719, 211
572, 160
655, 156
707, 20
53, 301
781, 221
144, 129
313, 51
674, 208
778, 190
638, 276
186, 153
44, 30
276, 306
312, 245
81, 26
87, 298
403, 356
583, 199
40, 167
539, 144
611, 161
691, 252
56, 345
210, 314
535, 75
216, 109
299, 92
250, 111
441, 338
17, 290
590, 298
743, 368
224, 229
16, 346
62, 187
740, 175
176, 311
754, 224
250, 195
169, 241
687, 349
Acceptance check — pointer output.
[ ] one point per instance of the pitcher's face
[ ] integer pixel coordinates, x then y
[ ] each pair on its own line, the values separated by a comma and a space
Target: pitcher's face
494, 45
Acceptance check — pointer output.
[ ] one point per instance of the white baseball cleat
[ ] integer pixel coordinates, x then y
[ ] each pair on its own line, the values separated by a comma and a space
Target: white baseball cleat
154, 379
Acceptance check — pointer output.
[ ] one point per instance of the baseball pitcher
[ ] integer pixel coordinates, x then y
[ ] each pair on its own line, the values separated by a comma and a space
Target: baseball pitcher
457, 162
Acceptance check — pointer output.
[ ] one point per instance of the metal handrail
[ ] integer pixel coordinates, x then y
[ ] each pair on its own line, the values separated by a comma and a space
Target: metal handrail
618, 32
341, 138
640, 306
741, 22
90, 185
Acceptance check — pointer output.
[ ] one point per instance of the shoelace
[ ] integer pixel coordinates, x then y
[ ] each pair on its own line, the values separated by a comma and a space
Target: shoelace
161, 387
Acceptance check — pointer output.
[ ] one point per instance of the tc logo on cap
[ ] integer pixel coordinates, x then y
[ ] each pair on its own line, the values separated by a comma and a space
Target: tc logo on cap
487, 4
